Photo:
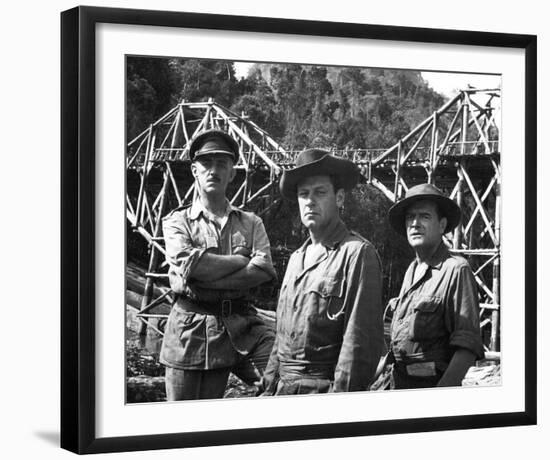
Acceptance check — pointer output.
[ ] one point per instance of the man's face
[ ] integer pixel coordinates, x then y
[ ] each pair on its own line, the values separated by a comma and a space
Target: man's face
213, 173
318, 202
423, 225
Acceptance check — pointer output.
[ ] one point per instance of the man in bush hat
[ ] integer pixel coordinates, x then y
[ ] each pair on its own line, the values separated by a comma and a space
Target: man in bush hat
216, 253
329, 314
435, 334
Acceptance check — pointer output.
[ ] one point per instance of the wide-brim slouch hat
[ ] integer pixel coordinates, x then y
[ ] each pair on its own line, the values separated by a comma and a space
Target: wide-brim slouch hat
318, 162
447, 207
211, 142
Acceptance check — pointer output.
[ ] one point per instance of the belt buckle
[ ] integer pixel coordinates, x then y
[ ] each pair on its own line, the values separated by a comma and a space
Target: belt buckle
226, 307
422, 369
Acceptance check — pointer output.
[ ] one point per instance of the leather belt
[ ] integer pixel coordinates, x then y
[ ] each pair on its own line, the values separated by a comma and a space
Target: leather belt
443, 355
225, 307
423, 365
305, 370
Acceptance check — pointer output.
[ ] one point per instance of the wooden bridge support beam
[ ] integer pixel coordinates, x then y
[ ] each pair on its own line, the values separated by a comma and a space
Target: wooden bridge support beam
397, 187
153, 259
495, 316
457, 237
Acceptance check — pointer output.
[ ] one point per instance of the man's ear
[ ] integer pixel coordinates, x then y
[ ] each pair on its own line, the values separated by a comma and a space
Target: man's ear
233, 173
194, 169
340, 198
443, 225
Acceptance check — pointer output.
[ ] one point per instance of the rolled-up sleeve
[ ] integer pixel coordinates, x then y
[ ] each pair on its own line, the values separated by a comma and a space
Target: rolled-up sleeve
363, 342
180, 253
464, 316
261, 252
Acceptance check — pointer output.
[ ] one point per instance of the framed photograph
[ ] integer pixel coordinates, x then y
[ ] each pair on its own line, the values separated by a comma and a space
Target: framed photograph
455, 109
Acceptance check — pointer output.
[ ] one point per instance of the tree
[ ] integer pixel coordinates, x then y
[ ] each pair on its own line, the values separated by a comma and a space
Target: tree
259, 104
302, 94
148, 92
199, 80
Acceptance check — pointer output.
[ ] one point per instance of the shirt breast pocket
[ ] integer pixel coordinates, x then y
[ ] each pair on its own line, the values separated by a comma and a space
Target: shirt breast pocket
328, 298
240, 245
202, 237
427, 320
325, 315
207, 242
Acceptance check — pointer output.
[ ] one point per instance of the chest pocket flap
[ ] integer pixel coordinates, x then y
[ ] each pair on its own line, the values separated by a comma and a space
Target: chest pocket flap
328, 299
426, 303
427, 322
238, 239
328, 287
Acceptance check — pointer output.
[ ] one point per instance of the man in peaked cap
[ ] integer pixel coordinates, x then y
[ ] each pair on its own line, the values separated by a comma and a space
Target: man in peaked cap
329, 314
435, 334
216, 254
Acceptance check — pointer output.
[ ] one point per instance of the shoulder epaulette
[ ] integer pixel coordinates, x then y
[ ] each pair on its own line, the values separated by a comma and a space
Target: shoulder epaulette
179, 208
358, 235
238, 208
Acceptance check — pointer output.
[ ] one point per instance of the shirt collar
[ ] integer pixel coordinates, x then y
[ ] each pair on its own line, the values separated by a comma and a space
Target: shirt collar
337, 232
197, 208
438, 256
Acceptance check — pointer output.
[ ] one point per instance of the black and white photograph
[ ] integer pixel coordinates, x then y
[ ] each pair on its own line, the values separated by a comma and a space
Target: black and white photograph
304, 229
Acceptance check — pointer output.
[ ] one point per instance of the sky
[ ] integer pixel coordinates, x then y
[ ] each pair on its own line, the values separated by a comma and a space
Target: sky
443, 82
448, 83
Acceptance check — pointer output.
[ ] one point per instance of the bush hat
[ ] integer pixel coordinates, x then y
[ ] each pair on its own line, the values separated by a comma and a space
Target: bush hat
213, 141
447, 207
318, 162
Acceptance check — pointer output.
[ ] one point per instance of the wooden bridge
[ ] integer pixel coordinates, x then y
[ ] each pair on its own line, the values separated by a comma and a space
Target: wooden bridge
457, 148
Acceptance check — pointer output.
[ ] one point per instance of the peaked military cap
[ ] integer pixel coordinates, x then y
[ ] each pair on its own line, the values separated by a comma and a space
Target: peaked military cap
211, 142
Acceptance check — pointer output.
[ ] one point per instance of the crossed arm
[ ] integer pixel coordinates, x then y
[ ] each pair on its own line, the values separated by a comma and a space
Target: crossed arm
239, 271
227, 272
211, 267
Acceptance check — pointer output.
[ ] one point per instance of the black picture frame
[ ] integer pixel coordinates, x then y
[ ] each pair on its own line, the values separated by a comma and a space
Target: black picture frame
78, 217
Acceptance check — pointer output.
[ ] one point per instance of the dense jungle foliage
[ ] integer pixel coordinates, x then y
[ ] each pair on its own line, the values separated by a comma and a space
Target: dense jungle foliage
299, 106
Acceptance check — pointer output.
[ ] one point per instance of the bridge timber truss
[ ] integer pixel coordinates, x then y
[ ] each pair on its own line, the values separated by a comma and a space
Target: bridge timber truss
457, 149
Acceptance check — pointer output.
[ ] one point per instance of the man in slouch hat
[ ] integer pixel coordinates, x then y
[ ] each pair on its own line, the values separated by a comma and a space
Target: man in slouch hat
329, 314
435, 335
216, 253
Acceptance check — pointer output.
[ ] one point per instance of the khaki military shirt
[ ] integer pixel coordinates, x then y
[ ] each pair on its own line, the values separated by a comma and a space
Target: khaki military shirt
329, 316
436, 314
198, 341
